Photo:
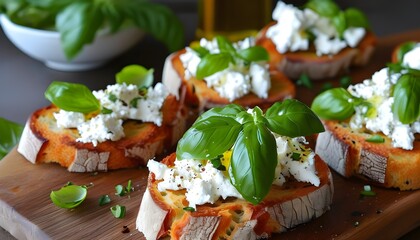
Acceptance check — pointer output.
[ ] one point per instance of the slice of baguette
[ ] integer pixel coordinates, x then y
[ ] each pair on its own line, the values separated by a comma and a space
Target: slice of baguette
43, 142
294, 64
348, 153
206, 98
162, 214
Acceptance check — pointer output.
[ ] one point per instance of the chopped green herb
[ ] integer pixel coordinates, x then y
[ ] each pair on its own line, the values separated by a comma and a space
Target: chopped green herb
375, 139
190, 209
367, 191
120, 190
106, 110
118, 211
112, 97
104, 199
345, 81
296, 156
305, 81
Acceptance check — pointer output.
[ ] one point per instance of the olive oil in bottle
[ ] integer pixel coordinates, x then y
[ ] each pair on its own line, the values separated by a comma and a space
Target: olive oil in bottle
234, 19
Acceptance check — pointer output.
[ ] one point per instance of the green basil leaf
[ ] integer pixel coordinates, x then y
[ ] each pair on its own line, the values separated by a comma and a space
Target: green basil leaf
407, 99
345, 81
254, 159
208, 138
189, 209
113, 14
10, 133
69, 196
136, 75
356, 18
119, 190
325, 8
118, 211
201, 51
213, 63
405, 48
73, 97
157, 20
230, 110
335, 103
375, 139
225, 46
78, 24
254, 54
340, 23
292, 118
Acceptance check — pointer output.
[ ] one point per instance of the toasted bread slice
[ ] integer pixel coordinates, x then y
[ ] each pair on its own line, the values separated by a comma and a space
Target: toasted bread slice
43, 142
294, 64
347, 152
206, 98
162, 214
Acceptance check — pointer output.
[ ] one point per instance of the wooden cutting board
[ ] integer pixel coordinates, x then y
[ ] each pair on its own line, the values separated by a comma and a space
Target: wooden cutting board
27, 212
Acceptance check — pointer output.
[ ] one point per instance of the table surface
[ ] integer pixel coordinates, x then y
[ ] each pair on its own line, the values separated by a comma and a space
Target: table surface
24, 80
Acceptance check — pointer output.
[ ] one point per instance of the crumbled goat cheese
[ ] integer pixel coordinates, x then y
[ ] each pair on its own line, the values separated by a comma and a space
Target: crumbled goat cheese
206, 184
412, 58
66, 119
377, 91
235, 81
290, 33
125, 102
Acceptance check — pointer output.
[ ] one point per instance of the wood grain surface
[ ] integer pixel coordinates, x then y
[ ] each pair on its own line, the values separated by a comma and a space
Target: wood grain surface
27, 212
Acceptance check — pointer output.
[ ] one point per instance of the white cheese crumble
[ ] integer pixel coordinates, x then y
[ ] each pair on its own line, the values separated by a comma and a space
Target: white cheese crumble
205, 184
125, 102
290, 33
412, 58
378, 92
235, 81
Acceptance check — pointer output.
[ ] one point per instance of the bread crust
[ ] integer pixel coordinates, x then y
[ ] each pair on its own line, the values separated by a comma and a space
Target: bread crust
206, 98
283, 208
348, 153
294, 64
43, 142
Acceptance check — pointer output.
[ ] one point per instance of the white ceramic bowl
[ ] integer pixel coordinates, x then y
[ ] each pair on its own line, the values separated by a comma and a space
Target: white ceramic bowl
45, 46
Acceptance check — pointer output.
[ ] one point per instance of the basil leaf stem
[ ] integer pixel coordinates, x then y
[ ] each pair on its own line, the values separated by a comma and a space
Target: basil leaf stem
73, 97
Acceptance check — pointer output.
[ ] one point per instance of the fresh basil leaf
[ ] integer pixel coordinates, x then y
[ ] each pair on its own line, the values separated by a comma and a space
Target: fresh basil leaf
293, 119
356, 18
73, 97
407, 98
325, 8
10, 133
136, 75
119, 190
335, 103
225, 46
208, 138
405, 48
254, 159
254, 54
375, 139
157, 20
340, 23
213, 63
189, 209
78, 24
113, 13
201, 51
69, 196
230, 110
326, 86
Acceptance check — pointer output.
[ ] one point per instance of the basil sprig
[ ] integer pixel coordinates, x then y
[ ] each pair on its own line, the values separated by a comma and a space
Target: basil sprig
73, 97
249, 135
78, 21
212, 63
351, 17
